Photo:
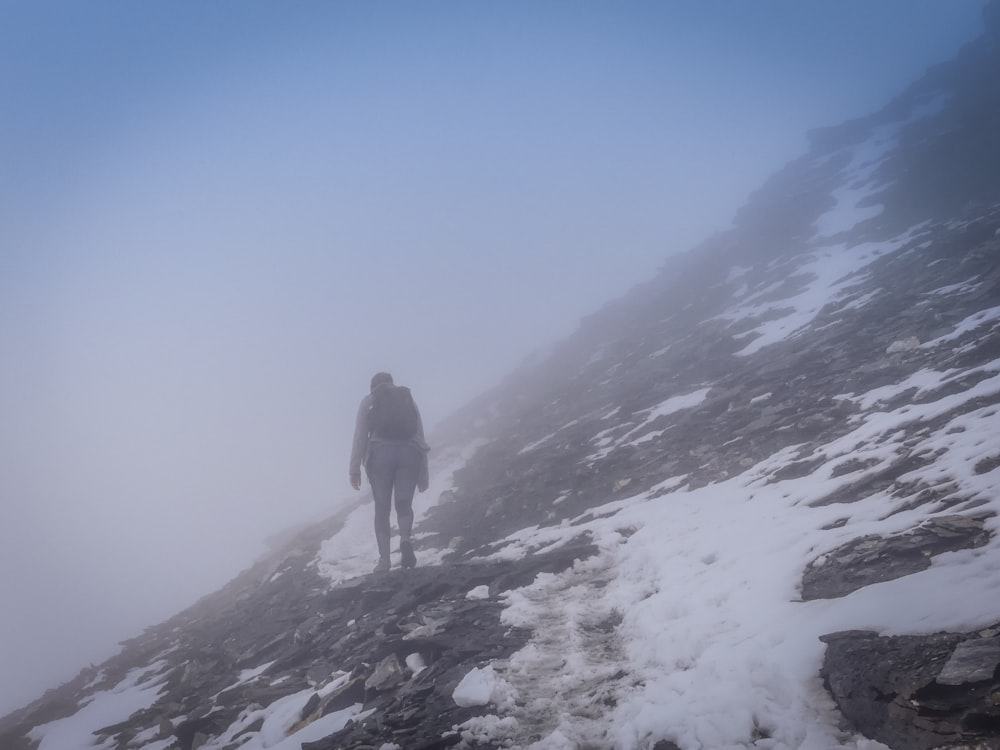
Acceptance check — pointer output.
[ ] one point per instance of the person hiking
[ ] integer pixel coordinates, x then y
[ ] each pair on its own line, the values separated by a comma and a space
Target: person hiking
389, 442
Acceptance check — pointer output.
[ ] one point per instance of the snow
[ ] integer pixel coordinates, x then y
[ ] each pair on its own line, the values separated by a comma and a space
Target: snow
489, 728
281, 728
272, 736
482, 687
675, 404
737, 272
859, 185
145, 738
415, 663
98, 678
138, 690
859, 181
476, 688
825, 274
606, 443
856, 303
921, 381
246, 675
964, 287
828, 275
249, 674
714, 648
977, 320
479, 592
536, 443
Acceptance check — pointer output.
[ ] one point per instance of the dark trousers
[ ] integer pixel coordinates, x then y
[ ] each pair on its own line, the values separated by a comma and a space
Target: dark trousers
393, 467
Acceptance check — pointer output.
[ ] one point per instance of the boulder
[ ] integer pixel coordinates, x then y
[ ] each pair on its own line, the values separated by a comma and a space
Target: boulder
918, 692
873, 559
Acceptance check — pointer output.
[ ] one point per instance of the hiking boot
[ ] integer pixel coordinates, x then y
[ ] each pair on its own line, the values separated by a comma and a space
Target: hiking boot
383, 565
406, 557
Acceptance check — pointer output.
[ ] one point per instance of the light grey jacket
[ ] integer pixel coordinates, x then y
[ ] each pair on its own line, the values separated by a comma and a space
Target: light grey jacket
362, 441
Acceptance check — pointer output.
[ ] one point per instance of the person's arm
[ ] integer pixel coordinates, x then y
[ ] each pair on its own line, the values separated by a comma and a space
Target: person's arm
423, 478
359, 447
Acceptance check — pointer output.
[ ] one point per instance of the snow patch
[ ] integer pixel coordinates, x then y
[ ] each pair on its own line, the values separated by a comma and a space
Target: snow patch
989, 317
480, 687
479, 592
489, 729
829, 272
854, 198
606, 444
134, 693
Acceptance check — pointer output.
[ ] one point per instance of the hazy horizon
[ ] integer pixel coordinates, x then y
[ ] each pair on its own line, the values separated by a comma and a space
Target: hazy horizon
220, 220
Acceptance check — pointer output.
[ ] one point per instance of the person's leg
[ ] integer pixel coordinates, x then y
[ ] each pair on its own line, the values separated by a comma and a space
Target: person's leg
381, 474
407, 472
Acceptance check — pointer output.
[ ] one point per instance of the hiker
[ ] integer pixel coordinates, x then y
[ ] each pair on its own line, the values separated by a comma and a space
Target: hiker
389, 442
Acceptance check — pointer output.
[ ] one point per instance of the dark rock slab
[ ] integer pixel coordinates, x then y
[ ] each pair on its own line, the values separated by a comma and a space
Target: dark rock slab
918, 692
874, 559
972, 661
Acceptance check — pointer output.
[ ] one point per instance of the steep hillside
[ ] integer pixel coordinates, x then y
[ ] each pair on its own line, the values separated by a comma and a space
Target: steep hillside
754, 503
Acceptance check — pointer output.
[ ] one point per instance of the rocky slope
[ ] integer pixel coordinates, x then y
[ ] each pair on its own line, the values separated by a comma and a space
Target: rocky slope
837, 350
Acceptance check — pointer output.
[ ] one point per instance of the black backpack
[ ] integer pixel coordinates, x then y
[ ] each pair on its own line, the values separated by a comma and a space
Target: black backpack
393, 415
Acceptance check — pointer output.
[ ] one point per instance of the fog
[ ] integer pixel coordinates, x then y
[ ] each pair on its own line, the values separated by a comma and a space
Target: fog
219, 219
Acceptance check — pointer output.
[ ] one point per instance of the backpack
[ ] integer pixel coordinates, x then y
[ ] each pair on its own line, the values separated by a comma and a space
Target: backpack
393, 415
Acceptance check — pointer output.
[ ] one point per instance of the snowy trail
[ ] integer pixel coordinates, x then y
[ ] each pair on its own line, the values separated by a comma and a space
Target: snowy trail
570, 674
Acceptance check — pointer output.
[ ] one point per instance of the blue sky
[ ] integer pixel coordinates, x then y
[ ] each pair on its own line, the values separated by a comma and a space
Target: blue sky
218, 219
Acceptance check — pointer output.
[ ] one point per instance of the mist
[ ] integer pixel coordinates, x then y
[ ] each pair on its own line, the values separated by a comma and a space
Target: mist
220, 219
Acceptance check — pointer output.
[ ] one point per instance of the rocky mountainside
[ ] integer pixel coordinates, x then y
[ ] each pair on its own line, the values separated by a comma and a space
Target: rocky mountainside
754, 503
